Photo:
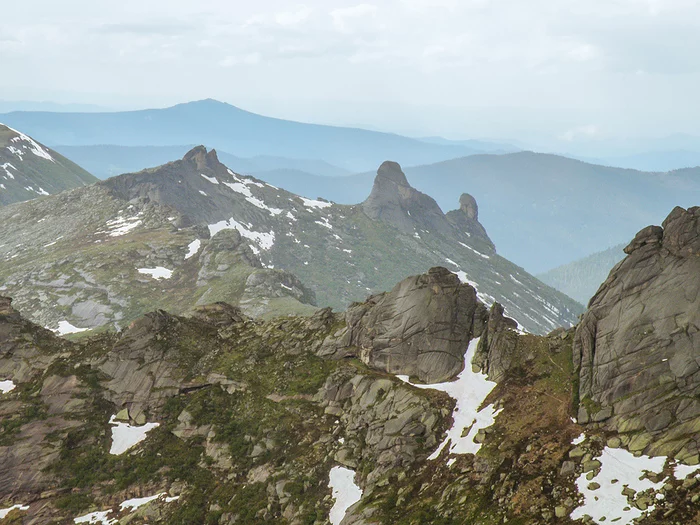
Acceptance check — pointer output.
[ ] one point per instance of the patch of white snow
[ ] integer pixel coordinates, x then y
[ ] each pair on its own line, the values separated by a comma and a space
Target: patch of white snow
210, 179
5, 512
65, 328
310, 203
345, 492
262, 239
125, 436
193, 248
157, 273
608, 504
6, 386
470, 389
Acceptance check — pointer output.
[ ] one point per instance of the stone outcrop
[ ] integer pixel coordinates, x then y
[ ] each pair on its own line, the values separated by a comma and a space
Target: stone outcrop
466, 220
394, 201
384, 422
637, 348
496, 353
420, 328
26, 353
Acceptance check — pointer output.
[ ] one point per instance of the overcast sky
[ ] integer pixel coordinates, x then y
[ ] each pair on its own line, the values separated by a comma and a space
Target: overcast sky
557, 70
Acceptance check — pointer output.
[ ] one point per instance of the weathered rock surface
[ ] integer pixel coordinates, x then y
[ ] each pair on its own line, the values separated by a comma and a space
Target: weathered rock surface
420, 328
496, 353
394, 201
26, 353
638, 346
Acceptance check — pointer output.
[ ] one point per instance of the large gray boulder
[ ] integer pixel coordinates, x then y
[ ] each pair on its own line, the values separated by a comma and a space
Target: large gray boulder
420, 328
637, 348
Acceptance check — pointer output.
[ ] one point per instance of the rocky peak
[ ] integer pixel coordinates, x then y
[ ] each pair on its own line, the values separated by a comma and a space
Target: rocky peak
466, 221
391, 172
637, 346
394, 201
468, 206
201, 159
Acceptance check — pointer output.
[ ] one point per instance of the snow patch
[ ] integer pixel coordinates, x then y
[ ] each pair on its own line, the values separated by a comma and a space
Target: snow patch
7, 171
243, 189
97, 517
607, 503
475, 251
310, 203
32, 146
193, 248
5, 512
157, 273
125, 436
65, 328
680, 471
345, 492
203, 193
210, 179
123, 225
6, 386
324, 222
130, 505
470, 389
262, 239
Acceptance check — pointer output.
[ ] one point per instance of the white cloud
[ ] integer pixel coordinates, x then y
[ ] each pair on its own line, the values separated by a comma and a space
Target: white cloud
292, 18
347, 18
584, 52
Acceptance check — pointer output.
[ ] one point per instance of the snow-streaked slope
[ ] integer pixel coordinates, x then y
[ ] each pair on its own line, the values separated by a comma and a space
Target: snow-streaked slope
469, 390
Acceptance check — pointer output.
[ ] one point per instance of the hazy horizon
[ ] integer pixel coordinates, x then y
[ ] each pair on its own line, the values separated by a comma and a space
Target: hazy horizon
562, 78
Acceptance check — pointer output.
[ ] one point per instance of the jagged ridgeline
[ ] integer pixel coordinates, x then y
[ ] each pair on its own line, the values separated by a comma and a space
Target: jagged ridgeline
194, 232
219, 418
29, 169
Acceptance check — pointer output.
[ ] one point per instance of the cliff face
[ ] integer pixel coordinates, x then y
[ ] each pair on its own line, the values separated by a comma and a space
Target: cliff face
637, 347
394, 201
420, 328
215, 417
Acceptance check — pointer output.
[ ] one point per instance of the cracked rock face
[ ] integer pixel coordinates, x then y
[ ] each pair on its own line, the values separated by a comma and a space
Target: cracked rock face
421, 328
638, 346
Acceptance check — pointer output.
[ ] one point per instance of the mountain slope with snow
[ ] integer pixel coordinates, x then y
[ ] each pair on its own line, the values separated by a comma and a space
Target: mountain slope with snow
193, 231
29, 169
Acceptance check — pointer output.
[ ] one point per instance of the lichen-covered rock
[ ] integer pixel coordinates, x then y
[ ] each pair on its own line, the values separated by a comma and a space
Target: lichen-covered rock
421, 328
638, 346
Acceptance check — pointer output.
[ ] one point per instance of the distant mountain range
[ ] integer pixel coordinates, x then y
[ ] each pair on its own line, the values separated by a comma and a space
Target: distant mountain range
29, 169
106, 161
234, 130
541, 210
657, 161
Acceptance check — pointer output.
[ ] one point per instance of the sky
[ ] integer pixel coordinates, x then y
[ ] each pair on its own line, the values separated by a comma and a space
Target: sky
560, 72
